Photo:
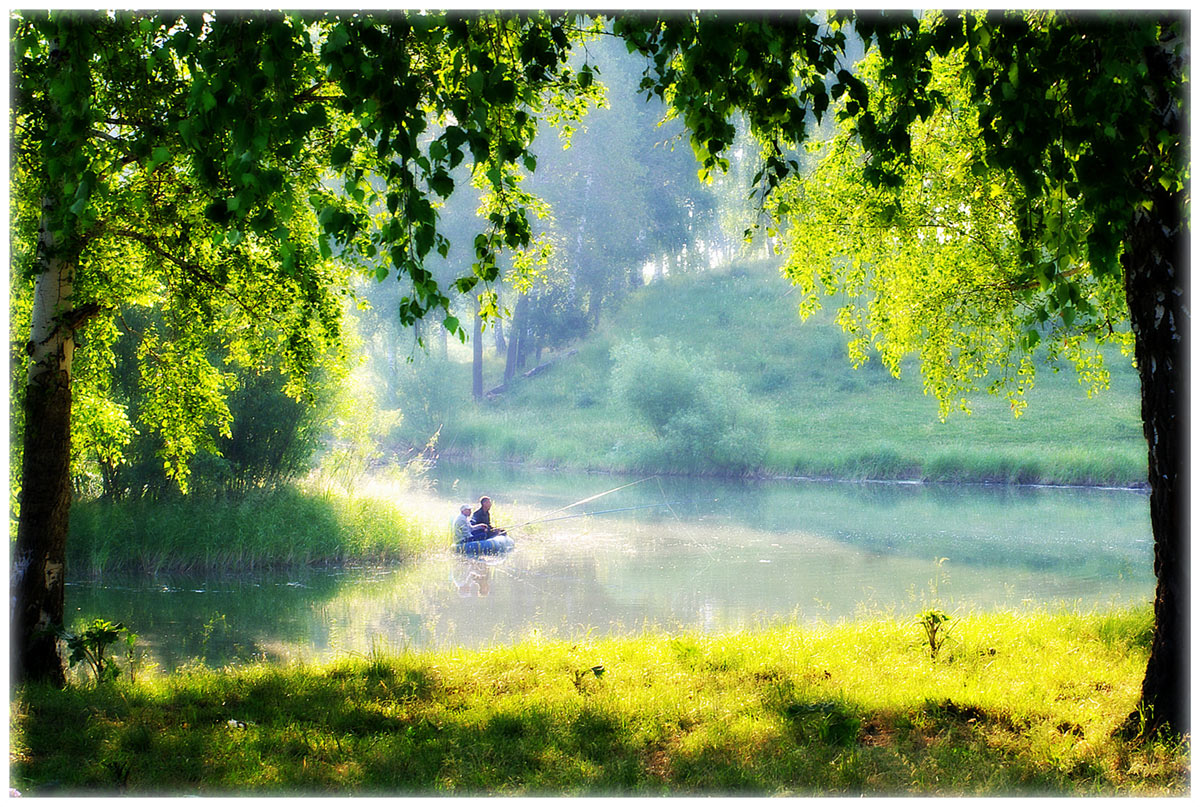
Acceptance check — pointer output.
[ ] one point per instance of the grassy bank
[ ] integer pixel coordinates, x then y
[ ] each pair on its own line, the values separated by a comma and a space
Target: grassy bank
1013, 705
296, 524
822, 417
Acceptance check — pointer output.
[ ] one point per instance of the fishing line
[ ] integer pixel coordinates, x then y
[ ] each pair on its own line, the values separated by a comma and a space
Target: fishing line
581, 501
615, 510
663, 491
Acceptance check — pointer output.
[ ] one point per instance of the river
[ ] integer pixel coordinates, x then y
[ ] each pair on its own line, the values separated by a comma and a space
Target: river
671, 553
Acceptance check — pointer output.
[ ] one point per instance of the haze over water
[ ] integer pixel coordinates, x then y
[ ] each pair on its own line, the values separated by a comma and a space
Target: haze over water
677, 553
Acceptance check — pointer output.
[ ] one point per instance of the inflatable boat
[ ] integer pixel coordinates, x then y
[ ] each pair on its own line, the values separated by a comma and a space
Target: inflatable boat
497, 545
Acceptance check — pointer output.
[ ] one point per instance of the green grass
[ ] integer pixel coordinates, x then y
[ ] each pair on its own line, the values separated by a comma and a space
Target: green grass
298, 524
826, 419
1015, 704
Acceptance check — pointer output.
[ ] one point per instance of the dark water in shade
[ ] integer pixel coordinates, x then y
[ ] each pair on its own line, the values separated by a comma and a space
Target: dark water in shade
721, 556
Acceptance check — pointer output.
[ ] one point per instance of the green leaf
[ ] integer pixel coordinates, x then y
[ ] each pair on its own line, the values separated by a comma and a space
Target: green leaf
339, 156
158, 156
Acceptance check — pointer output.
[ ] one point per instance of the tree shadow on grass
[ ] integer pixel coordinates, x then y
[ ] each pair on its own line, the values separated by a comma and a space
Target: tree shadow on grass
378, 728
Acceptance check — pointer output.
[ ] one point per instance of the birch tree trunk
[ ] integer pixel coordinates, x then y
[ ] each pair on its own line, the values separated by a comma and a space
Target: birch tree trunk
39, 557
1155, 262
1159, 313
38, 562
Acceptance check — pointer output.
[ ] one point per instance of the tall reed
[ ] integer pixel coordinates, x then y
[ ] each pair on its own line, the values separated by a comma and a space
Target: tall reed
287, 525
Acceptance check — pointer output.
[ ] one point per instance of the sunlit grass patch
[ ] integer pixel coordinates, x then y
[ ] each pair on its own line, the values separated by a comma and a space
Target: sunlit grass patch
1017, 704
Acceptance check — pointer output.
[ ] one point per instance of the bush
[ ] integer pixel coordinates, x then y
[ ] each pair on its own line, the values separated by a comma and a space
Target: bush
703, 419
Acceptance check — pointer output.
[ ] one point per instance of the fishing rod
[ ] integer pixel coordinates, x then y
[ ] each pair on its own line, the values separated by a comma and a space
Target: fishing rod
623, 509
615, 510
581, 501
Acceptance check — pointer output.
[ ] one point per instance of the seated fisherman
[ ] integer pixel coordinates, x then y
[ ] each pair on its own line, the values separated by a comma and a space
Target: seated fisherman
482, 516
464, 530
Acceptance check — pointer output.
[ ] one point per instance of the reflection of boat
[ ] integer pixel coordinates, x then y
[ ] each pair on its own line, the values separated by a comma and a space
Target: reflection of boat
497, 545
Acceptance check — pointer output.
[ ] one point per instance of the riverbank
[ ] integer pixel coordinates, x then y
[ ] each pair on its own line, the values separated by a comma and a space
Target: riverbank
764, 476
1014, 704
296, 524
388, 522
808, 412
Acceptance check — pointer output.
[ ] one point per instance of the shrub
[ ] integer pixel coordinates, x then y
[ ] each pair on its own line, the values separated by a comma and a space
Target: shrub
703, 419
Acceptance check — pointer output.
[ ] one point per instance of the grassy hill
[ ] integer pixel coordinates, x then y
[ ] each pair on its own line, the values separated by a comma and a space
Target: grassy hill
822, 418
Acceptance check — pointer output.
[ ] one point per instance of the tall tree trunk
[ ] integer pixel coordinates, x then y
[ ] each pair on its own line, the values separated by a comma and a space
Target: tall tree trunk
38, 562
514, 339
593, 309
1155, 262
499, 342
1159, 313
523, 340
39, 556
477, 359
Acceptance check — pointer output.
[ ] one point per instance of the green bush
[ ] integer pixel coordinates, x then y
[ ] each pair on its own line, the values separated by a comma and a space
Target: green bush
702, 419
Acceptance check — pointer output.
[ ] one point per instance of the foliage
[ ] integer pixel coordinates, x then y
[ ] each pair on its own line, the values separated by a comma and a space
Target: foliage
1024, 705
1023, 131
703, 418
206, 184
772, 70
271, 436
89, 643
934, 265
1068, 106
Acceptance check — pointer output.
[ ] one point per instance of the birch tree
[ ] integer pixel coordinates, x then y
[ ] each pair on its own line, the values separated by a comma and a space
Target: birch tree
222, 167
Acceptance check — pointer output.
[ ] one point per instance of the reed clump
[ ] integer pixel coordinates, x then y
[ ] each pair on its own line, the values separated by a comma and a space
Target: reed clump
1014, 704
297, 524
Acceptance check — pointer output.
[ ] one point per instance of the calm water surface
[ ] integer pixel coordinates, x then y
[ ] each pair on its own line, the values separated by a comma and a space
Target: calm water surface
708, 556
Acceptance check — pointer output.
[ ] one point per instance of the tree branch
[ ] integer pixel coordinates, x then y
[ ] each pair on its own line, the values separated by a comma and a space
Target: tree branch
194, 270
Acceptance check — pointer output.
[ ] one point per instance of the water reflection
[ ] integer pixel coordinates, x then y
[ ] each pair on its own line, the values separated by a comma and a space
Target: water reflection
472, 578
721, 556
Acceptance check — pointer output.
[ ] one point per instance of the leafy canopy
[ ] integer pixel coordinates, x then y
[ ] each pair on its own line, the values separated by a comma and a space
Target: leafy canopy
1067, 109
229, 171
934, 265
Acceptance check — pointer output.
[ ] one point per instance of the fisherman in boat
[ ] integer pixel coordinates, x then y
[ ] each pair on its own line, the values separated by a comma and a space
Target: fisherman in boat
481, 516
465, 530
